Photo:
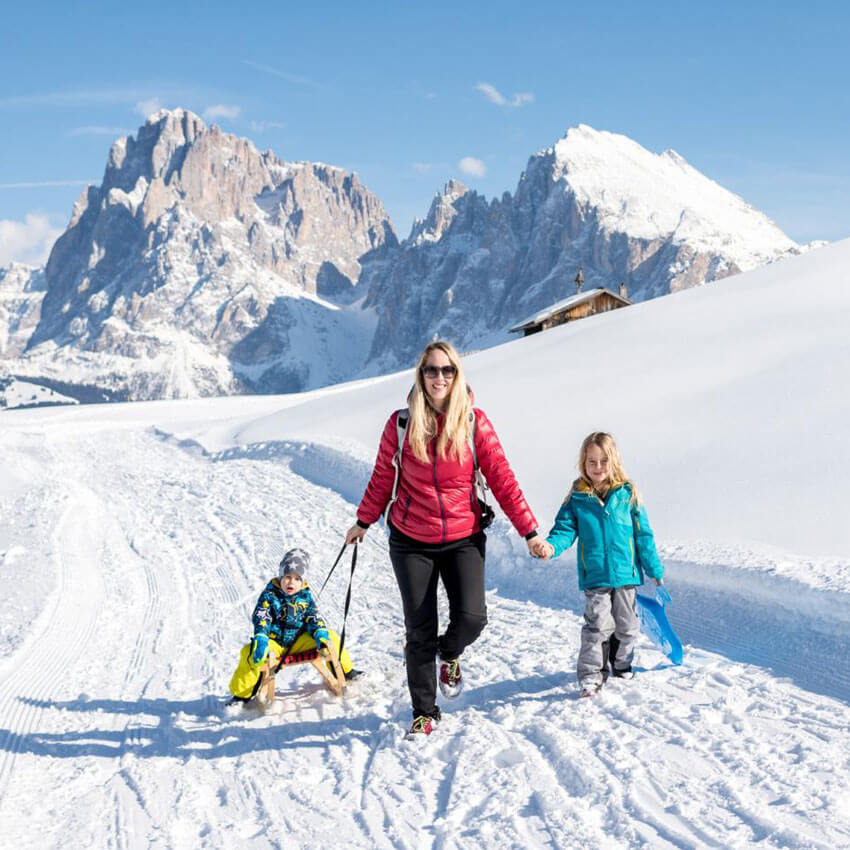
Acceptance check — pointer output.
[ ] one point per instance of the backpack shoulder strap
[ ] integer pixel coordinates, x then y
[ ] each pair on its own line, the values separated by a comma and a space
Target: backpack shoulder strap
401, 423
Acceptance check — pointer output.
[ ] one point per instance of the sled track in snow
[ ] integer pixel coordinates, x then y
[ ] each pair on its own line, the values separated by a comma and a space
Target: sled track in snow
66, 627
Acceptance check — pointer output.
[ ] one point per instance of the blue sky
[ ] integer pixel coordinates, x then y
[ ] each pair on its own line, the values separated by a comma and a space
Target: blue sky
754, 94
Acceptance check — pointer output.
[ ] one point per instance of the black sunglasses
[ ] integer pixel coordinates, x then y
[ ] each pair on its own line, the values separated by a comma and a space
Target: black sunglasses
433, 371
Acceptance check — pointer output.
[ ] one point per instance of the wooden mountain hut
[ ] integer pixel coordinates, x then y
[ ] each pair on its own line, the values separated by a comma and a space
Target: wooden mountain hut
578, 306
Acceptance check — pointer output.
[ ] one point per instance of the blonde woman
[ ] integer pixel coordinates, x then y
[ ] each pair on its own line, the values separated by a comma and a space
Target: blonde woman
435, 521
616, 547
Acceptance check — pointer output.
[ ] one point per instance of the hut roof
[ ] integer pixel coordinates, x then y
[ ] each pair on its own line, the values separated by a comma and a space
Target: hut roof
565, 304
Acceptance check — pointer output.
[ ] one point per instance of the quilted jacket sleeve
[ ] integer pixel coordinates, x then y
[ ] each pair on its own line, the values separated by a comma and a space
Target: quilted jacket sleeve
647, 554
500, 477
264, 613
312, 619
379, 490
564, 531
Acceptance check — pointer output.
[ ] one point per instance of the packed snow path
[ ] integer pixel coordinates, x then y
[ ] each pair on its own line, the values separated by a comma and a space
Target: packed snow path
130, 565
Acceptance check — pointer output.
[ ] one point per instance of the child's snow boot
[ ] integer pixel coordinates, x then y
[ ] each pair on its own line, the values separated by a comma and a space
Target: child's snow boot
590, 689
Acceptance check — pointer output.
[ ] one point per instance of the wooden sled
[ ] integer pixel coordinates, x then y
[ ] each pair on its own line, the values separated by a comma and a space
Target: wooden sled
320, 659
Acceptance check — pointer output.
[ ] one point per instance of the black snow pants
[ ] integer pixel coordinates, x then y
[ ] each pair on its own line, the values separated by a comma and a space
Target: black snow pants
417, 566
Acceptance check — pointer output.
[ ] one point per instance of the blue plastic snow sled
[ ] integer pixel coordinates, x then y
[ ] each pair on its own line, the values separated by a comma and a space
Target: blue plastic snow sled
656, 626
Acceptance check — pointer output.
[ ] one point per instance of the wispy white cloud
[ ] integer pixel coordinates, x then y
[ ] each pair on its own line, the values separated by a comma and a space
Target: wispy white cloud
262, 126
27, 241
43, 184
98, 131
522, 98
221, 110
491, 93
284, 75
75, 98
472, 166
147, 106
495, 96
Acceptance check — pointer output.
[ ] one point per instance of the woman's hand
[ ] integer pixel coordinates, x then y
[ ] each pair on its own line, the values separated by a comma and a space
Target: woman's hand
355, 534
539, 548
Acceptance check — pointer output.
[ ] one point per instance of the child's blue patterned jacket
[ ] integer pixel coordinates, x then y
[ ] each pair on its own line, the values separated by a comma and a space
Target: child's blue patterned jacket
283, 617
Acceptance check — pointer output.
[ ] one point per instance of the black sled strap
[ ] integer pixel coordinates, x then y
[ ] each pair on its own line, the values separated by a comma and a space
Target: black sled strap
347, 599
328, 576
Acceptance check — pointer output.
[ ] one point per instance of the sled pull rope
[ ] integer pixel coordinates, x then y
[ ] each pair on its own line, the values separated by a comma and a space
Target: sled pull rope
327, 578
347, 598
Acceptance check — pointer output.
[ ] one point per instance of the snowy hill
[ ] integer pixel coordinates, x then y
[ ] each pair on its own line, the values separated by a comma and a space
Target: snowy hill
135, 538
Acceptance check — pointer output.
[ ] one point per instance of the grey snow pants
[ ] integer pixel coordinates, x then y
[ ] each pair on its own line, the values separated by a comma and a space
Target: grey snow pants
607, 611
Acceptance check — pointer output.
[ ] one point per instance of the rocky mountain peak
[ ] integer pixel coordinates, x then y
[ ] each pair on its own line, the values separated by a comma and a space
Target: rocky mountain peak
444, 208
193, 242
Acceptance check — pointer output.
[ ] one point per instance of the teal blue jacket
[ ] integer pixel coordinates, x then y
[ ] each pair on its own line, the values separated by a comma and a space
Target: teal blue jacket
616, 546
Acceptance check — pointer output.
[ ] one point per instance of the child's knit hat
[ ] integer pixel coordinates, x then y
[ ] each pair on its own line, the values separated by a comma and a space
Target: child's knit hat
294, 561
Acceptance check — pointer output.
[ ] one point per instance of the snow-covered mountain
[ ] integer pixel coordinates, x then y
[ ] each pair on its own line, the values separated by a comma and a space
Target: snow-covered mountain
598, 200
201, 266
22, 289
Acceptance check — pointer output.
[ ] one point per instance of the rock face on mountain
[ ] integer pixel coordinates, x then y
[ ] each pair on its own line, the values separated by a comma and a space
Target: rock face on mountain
22, 290
199, 266
473, 268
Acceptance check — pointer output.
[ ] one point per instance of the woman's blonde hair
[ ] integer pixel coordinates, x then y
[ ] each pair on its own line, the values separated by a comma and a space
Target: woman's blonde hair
616, 472
423, 415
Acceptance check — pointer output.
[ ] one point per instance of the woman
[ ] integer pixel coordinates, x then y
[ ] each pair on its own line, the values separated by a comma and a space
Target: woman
435, 520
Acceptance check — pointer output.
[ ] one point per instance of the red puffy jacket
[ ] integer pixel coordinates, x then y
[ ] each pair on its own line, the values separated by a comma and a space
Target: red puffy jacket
436, 501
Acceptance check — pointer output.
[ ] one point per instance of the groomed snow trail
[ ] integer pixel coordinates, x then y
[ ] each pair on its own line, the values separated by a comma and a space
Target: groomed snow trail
151, 556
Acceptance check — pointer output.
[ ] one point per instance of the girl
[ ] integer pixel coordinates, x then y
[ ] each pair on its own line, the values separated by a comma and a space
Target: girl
616, 548
435, 520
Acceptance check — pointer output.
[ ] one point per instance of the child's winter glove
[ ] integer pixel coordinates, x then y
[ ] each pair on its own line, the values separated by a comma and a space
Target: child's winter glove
321, 637
260, 649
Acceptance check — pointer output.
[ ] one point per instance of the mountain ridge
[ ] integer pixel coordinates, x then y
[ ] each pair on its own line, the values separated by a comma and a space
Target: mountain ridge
201, 266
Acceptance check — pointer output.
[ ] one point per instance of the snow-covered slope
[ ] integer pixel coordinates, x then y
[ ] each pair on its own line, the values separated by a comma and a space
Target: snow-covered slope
135, 538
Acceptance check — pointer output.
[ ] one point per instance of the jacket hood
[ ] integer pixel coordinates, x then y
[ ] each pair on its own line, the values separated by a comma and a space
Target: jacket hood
581, 486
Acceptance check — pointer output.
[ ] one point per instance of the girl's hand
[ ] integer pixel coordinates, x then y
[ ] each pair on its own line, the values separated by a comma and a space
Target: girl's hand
355, 534
539, 548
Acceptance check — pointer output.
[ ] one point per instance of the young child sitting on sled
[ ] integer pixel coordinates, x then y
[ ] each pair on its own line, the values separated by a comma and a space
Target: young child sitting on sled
616, 548
286, 621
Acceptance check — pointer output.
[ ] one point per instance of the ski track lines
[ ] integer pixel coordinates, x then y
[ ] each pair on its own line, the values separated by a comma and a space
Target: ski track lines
66, 630
114, 734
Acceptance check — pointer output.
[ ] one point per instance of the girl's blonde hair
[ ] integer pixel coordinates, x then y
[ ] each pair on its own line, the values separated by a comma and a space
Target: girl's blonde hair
616, 472
423, 415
